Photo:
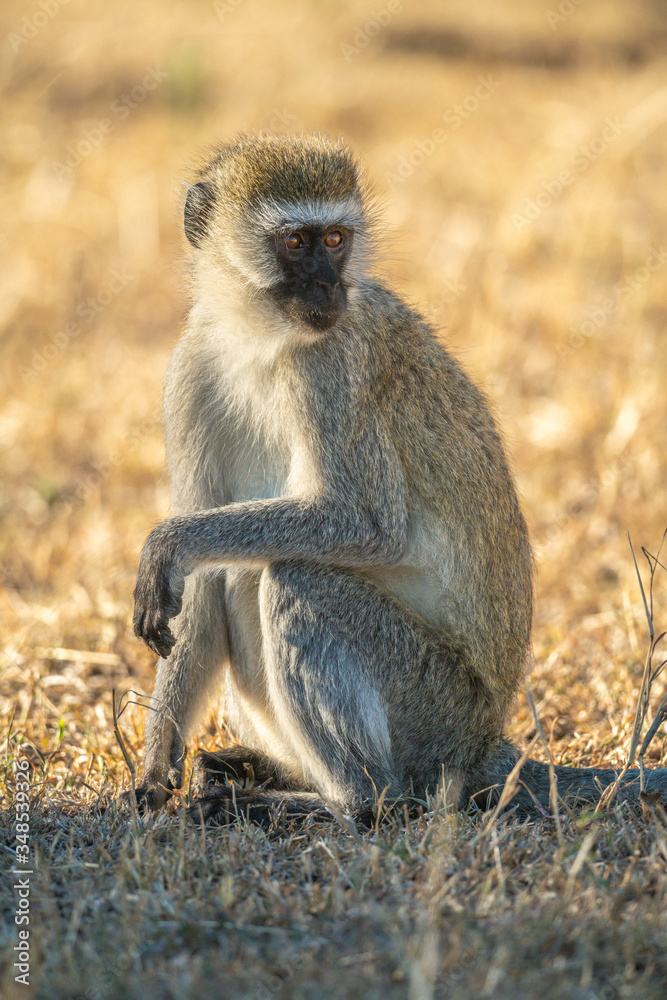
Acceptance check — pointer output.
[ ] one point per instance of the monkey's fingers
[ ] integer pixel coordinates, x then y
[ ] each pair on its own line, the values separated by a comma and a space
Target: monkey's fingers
163, 643
154, 605
158, 638
151, 625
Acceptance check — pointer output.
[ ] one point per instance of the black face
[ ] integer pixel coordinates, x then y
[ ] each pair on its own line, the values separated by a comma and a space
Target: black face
312, 260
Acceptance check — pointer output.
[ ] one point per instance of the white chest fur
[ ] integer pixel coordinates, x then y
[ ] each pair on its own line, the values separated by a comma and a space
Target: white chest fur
263, 450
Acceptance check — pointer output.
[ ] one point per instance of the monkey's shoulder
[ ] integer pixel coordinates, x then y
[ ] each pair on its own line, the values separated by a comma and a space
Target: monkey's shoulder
381, 307
441, 424
409, 360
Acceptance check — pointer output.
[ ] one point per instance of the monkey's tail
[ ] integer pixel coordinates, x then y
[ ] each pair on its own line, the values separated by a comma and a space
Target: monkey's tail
576, 786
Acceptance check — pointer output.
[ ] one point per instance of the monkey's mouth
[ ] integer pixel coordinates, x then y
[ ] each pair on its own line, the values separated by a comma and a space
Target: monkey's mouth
318, 315
319, 319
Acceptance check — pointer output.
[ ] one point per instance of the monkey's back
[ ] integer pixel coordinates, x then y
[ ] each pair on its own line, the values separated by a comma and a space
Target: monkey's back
466, 524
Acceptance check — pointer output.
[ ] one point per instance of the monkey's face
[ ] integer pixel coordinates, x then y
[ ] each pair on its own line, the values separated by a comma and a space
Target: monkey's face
311, 260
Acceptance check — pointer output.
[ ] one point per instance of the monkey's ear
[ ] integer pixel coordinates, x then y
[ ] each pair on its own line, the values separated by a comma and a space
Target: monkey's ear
198, 205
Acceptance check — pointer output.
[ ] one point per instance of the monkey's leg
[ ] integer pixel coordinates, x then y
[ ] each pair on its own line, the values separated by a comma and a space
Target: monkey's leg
364, 697
185, 681
325, 691
324, 699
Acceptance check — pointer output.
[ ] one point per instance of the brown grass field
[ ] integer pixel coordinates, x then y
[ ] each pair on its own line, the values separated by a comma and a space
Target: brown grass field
521, 157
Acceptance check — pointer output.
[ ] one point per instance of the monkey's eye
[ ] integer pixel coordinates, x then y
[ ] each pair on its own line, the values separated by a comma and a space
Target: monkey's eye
294, 241
333, 240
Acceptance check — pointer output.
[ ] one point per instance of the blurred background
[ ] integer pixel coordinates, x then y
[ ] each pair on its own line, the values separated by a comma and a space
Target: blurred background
519, 149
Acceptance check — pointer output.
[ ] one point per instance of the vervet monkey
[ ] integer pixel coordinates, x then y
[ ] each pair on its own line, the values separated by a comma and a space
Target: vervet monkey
347, 562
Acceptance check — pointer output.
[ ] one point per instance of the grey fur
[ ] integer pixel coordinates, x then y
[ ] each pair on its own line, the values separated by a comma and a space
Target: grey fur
347, 560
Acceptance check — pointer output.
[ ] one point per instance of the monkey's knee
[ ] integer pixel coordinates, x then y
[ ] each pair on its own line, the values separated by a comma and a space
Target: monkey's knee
280, 585
287, 581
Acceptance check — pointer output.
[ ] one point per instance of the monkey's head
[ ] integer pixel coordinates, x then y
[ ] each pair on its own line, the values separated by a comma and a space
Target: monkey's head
285, 219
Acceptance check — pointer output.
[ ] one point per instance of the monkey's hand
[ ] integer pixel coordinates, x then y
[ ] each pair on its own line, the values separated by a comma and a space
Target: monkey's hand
158, 593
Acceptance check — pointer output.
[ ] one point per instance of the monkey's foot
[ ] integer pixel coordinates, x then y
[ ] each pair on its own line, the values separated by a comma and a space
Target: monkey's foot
148, 798
128, 801
242, 764
225, 804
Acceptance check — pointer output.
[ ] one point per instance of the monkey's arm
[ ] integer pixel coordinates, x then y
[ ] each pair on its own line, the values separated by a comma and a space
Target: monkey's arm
359, 521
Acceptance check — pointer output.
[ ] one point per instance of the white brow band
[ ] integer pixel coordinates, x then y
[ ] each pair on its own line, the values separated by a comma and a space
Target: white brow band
275, 215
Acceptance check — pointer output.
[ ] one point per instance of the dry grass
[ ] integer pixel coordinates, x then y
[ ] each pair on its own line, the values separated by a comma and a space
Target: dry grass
562, 321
